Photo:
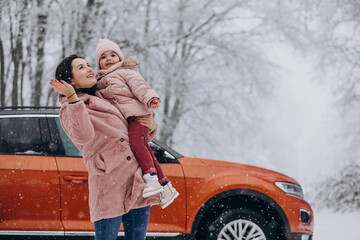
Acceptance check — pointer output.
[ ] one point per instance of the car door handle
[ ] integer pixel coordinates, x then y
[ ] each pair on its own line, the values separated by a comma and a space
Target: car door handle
75, 179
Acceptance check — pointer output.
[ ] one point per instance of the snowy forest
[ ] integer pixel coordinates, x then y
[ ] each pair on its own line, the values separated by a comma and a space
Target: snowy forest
214, 65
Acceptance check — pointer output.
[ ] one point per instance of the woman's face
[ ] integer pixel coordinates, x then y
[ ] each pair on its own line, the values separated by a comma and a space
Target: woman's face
83, 74
108, 58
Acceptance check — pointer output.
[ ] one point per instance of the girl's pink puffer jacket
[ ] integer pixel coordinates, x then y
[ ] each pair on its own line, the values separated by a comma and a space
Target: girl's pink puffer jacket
127, 90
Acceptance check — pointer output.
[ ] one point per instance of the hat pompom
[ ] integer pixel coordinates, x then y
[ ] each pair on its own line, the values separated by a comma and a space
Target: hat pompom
131, 61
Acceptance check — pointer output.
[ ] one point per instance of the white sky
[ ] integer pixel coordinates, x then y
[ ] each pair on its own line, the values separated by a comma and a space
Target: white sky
301, 123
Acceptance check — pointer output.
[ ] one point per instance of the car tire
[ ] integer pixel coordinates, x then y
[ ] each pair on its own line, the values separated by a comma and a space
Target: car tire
228, 224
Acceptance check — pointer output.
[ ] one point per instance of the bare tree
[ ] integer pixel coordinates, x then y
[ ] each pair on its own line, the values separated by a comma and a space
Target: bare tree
27, 72
2, 75
87, 22
207, 60
2, 72
17, 26
338, 48
2, 64
203, 57
184, 47
41, 25
180, 50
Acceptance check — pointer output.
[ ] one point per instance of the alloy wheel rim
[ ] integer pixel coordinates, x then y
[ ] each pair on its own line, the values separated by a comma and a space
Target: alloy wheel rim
241, 230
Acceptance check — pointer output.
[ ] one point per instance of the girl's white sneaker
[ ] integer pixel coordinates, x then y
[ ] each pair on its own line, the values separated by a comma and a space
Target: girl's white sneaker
152, 185
168, 195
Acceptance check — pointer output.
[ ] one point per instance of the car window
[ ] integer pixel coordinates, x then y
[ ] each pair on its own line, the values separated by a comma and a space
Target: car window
21, 135
161, 154
70, 149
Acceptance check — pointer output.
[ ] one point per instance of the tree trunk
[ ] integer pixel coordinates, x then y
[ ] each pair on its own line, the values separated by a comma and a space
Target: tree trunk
14, 92
29, 57
42, 19
2, 75
2, 69
85, 31
16, 53
23, 65
178, 86
172, 102
145, 72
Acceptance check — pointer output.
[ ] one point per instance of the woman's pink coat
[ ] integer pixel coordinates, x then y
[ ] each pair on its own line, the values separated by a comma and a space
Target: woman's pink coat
127, 90
100, 132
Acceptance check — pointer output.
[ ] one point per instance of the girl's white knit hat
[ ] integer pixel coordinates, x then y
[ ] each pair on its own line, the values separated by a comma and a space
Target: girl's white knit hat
104, 45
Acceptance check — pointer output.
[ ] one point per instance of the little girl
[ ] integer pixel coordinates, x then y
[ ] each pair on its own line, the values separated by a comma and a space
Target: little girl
133, 96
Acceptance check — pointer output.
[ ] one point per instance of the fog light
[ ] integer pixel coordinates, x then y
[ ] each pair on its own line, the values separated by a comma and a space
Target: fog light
305, 216
305, 237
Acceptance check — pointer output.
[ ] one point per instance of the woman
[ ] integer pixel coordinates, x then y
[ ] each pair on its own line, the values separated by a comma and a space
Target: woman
100, 132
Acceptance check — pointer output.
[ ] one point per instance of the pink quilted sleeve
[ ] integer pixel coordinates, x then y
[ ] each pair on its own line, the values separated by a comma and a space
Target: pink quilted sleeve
140, 88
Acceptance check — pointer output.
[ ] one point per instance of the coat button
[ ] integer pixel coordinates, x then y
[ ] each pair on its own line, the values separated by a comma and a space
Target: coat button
128, 158
121, 139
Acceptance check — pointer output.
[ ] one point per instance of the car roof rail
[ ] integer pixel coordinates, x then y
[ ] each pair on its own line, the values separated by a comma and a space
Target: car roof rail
28, 107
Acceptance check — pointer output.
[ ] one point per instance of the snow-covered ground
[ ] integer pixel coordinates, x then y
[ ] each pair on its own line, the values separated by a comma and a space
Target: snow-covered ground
331, 225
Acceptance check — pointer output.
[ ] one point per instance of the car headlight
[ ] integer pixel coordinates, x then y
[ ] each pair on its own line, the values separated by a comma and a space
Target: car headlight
291, 189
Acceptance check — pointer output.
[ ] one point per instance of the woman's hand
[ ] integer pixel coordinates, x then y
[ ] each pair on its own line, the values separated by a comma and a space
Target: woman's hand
64, 88
147, 121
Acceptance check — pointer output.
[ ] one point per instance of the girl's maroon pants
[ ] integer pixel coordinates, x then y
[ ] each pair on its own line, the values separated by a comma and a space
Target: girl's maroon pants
138, 135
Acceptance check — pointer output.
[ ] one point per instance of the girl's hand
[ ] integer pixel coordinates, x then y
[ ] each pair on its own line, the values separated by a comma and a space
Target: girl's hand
62, 87
155, 103
147, 121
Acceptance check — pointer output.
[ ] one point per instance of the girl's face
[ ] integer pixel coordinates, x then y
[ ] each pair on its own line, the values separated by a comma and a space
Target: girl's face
83, 74
108, 58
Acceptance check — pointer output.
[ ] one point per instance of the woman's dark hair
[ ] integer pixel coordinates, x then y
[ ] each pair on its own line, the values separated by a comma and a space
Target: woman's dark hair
64, 70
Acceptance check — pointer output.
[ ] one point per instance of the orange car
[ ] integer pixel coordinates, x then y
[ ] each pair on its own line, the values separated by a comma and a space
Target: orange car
44, 191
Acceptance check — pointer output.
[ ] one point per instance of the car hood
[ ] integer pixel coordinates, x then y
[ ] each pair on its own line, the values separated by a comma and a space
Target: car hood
217, 166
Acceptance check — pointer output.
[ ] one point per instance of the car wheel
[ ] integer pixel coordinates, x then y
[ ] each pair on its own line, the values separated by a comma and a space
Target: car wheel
239, 224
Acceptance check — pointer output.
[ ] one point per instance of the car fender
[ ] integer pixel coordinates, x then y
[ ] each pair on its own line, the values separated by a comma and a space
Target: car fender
221, 186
